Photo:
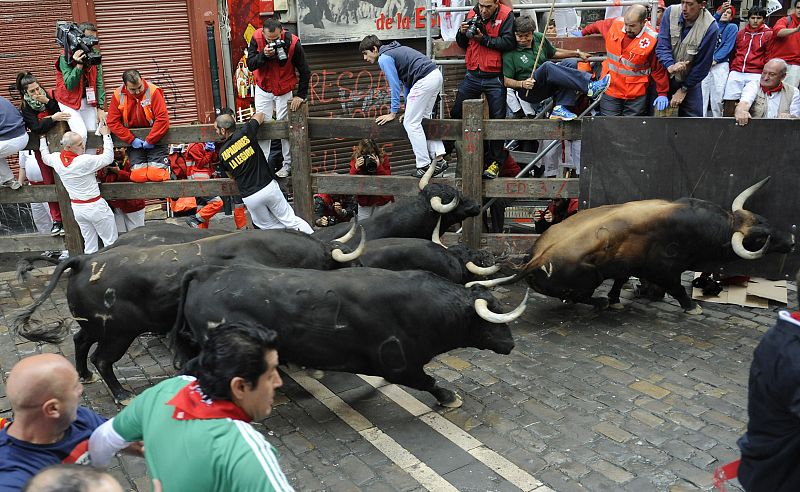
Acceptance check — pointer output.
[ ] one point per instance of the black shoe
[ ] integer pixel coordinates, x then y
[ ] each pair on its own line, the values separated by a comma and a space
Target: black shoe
420, 172
441, 166
57, 229
193, 222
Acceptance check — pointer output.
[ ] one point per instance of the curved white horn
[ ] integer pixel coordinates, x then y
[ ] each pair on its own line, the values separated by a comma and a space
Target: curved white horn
738, 202
342, 257
489, 283
426, 178
737, 243
482, 271
437, 205
435, 236
349, 235
482, 308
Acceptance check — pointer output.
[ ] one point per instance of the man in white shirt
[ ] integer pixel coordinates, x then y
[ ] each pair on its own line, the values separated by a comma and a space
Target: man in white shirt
77, 172
769, 97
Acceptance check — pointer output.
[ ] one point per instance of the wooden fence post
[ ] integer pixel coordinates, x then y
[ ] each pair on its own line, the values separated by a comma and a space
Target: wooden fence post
300, 148
73, 239
472, 171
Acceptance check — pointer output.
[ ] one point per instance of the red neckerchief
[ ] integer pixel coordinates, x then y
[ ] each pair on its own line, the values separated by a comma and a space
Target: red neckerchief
67, 156
191, 404
795, 315
770, 92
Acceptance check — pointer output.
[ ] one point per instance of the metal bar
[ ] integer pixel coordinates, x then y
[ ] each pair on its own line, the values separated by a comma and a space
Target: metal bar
428, 29
532, 6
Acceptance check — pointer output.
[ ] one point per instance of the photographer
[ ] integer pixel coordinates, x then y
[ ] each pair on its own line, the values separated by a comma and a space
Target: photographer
79, 87
369, 160
557, 210
486, 35
272, 57
332, 209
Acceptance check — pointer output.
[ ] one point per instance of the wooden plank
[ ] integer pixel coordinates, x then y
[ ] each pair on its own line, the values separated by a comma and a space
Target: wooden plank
590, 44
73, 239
29, 194
116, 191
532, 188
21, 243
532, 129
301, 163
472, 166
367, 128
345, 184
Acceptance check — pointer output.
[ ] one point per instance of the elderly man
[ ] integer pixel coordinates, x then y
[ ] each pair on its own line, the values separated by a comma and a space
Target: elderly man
236, 375
72, 478
77, 172
242, 159
769, 97
631, 56
138, 103
49, 426
13, 138
686, 42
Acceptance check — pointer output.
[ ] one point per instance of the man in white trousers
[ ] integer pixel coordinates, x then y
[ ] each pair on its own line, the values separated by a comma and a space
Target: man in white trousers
13, 138
77, 172
415, 76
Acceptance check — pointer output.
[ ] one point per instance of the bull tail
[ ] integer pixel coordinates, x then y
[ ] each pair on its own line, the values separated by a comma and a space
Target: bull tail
54, 332
181, 338
25, 265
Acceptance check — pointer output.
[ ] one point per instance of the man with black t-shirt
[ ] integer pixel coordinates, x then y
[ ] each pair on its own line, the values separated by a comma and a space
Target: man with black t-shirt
242, 159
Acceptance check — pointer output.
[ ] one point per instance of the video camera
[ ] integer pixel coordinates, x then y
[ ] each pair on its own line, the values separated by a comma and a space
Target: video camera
71, 38
279, 46
475, 24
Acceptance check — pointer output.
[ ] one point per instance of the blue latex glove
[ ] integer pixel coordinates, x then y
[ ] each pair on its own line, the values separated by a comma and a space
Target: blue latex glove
661, 103
210, 147
576, 34
146, 145
137, 143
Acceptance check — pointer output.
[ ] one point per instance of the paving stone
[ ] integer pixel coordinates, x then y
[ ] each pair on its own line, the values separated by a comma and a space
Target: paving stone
649, 389
612, 432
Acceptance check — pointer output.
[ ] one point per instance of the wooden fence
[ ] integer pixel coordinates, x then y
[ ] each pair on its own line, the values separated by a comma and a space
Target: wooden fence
300, 129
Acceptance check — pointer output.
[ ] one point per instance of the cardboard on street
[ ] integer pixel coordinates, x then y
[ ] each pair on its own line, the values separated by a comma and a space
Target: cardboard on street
755, 293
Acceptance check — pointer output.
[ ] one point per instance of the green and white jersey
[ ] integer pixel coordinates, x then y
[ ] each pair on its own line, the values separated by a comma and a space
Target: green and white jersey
198, 455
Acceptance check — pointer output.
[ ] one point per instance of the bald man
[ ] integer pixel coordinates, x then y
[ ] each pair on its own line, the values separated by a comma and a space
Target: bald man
49, 427
77, 172
68, 478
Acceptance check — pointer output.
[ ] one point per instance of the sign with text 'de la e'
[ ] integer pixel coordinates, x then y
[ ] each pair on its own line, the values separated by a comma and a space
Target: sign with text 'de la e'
335, 21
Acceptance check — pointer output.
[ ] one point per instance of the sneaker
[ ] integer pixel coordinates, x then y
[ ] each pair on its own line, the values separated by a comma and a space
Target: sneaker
562, 113
284, 172
492, 171
193, 222
63, 255
598, 87
57, 230
420, 172
441, 166
51, 254
11, 183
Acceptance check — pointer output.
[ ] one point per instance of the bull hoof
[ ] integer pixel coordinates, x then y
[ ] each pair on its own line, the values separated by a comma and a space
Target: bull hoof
616, 306
695, 310
92, 378
455, 402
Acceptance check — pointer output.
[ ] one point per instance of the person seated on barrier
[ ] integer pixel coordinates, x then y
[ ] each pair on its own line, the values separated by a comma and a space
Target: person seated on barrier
370, 160
769, 97
77, 172
72, 478
562, 82
41, 113
557, 210
771, 445
630, 55
13, 138
750, 53
128, 213
333, 209
138, 103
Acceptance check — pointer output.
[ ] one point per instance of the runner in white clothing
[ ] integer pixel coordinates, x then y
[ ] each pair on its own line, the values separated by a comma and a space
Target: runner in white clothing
77, 172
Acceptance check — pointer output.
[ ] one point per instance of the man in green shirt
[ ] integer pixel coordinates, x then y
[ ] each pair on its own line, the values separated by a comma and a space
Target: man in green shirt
196, 429
561, 81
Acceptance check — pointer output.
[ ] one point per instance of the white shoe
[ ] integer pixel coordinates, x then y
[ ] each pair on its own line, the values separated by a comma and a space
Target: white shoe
64, 255
284, 172
11, 183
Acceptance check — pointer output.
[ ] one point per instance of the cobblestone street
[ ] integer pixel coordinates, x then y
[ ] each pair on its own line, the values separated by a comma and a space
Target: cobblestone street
643, 399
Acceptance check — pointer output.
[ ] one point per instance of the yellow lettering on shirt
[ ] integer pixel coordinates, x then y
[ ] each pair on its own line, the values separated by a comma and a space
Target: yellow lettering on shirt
235, 147
239, 159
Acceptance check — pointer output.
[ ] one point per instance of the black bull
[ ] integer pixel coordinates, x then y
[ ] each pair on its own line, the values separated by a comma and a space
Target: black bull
655, 240
357, 320
123, 292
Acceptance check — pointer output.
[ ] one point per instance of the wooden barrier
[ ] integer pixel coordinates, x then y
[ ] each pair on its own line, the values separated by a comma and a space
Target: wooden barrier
472, 130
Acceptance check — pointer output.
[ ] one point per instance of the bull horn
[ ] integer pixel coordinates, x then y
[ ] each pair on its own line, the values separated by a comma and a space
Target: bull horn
343, 257
435, 236
738, 202
426, 178
737, 243
482, 308
482, 271
489, 283
349, 235
437, 205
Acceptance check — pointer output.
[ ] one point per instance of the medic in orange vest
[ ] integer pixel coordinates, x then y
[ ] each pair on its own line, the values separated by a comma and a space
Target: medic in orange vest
201, 161
630, 55
140, 104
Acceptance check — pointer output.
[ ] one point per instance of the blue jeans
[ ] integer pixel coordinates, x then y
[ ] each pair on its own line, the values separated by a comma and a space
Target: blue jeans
560, 81
471, 88
692, 104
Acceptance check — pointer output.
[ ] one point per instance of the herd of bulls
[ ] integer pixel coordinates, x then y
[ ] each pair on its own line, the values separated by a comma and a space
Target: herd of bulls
389, 306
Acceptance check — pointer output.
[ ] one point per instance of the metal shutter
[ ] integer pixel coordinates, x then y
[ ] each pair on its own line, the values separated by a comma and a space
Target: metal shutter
151, 36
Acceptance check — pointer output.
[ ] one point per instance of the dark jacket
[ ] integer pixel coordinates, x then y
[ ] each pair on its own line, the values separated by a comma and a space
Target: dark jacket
40, 122
411, 65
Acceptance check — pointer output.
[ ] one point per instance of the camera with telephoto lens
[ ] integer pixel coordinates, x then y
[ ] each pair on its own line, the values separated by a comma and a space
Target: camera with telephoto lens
279, 46
475, 24
71, 38
370, 164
